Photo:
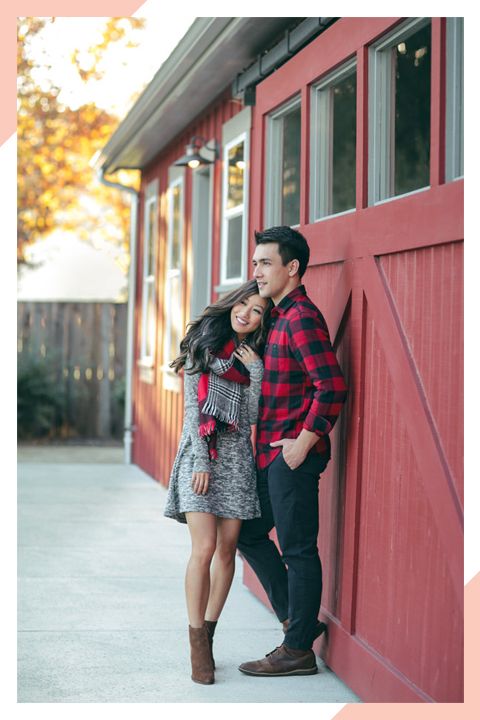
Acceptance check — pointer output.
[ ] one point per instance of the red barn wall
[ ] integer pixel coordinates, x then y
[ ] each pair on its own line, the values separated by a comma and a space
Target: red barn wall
389, 281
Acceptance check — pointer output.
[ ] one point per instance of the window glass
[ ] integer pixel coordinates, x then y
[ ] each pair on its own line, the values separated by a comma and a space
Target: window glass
175, 306
173, 281
150, 269
233, 226
149, 310
200, 295
333, 143
176, 221
411, 58
150, 321
399, 109
290, 190
344, 144
234, 247
236, 167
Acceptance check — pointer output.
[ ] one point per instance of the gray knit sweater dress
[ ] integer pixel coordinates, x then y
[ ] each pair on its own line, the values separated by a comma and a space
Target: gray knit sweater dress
232, 490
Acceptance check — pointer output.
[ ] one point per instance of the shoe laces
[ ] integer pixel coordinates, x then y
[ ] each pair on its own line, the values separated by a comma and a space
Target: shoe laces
273, 651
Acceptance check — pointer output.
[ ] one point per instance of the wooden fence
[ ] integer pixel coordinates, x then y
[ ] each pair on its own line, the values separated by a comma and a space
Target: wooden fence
83, 344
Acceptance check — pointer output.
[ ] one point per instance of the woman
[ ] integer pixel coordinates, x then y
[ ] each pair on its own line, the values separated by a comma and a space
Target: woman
213, 482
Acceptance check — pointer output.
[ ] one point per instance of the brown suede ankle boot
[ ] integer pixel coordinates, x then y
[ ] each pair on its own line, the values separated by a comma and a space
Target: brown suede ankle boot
211, 625
202, 666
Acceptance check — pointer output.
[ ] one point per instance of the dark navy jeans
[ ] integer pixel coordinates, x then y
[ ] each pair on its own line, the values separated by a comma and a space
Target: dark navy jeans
292, 579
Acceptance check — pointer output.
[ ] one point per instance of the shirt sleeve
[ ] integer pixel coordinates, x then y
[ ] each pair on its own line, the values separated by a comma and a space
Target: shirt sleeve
192, 421
310, 344
253, 390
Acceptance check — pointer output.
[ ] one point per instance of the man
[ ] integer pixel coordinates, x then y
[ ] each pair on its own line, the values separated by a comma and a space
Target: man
303, 392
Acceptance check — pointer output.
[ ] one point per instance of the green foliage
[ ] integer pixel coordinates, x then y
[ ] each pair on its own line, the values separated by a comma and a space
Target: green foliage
40, 399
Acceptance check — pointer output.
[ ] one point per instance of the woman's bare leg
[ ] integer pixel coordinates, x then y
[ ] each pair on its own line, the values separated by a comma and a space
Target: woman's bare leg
203, 533
223, 569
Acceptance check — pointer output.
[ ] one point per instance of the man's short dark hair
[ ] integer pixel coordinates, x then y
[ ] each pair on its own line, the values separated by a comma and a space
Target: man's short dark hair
291, 244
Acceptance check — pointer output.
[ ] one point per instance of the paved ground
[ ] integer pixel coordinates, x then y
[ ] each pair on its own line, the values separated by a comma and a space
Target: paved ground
70, 453
102, 614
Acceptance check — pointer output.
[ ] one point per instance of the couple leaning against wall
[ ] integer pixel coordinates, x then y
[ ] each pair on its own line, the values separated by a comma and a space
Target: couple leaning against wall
261, 355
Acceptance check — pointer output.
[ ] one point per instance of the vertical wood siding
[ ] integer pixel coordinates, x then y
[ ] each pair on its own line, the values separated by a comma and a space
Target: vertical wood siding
427, 287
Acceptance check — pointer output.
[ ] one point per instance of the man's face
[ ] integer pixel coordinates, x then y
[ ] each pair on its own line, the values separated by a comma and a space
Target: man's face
271, 275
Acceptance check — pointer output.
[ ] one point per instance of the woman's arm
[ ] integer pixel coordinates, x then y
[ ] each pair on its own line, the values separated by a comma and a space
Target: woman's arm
254, 389
192, 421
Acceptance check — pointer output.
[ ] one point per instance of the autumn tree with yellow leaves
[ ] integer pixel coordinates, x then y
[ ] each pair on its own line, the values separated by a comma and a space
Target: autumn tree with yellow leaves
57, 187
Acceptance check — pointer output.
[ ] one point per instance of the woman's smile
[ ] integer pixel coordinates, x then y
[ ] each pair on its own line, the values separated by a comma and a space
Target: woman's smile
246, 315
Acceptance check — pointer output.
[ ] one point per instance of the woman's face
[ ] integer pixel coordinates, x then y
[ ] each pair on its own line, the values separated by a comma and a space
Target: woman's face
247, 315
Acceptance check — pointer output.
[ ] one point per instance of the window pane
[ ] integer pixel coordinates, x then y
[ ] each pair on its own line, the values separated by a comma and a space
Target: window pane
150, 320
344, 144
234, 247
291, 168
236, 166
176, 225
151, 239
412, 111
176, 316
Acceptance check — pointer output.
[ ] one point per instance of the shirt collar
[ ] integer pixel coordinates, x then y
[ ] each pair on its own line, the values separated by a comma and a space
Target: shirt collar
289, 300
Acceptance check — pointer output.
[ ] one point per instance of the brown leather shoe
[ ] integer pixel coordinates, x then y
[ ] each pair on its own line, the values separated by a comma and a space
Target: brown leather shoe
282, 661
202, 666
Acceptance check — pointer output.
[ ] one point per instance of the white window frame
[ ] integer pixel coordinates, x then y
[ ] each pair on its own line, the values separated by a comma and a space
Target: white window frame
230, 213
321, 143
149, 279
171, 380
274, 162
454, 100
198, 242
381, 170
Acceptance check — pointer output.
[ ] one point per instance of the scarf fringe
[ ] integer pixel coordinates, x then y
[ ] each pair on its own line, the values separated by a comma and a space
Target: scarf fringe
207, 428
211, 409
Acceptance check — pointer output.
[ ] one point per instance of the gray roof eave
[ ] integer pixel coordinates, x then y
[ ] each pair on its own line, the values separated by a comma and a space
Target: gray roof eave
203, 64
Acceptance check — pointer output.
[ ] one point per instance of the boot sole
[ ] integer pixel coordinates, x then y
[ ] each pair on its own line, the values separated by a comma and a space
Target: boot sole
310, 671
203, 682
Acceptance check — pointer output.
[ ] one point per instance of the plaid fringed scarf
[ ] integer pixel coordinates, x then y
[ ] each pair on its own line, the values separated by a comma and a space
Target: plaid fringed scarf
219, 396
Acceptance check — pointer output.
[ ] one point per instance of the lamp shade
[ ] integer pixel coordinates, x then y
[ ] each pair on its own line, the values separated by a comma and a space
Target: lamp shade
192, 156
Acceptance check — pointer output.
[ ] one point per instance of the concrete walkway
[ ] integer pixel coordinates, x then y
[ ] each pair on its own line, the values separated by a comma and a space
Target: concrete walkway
102, 614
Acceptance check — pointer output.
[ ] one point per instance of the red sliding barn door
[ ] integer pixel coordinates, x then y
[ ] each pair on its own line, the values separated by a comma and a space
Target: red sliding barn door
388, 278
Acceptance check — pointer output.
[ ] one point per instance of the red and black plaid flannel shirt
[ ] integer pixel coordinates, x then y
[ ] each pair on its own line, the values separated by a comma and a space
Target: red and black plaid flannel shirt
303, 386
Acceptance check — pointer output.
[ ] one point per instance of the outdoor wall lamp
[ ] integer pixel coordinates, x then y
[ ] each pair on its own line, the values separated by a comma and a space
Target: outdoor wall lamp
192, 156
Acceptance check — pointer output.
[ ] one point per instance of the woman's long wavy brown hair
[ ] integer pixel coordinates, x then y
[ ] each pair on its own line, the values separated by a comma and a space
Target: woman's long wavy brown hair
209, 333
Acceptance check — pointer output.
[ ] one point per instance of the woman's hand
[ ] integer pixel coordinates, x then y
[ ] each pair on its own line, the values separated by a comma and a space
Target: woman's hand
200, 482
246, 355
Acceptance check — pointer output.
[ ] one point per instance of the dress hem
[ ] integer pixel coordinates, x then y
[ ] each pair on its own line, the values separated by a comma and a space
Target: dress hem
180, 516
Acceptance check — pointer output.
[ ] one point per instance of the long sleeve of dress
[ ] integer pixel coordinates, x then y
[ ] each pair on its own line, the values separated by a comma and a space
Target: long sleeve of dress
192, 421
254, 389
